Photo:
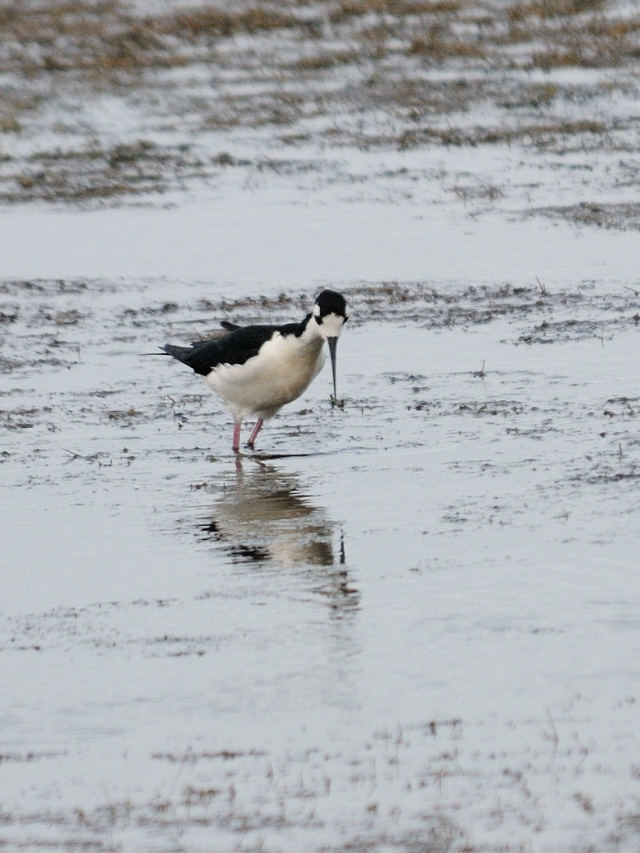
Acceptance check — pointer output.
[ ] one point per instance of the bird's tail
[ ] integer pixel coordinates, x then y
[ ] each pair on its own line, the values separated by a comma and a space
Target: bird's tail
180, 353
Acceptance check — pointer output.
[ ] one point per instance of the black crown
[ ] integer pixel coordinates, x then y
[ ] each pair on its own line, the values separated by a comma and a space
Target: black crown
330, 302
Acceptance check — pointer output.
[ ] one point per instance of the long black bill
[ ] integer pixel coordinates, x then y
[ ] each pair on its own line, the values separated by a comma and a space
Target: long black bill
333, 343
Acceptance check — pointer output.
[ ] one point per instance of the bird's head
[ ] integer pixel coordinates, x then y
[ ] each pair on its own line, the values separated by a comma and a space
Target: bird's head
330, 315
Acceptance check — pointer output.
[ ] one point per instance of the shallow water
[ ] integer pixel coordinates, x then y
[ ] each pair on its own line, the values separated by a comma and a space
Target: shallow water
409, 624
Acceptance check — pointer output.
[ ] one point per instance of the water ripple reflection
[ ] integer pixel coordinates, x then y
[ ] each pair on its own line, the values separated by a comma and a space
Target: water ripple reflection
264, 518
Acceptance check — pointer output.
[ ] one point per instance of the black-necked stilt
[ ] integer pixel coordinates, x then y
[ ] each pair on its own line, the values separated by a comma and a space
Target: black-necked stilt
256, 370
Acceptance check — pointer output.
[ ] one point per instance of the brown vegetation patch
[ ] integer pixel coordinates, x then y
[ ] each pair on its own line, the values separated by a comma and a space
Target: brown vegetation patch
439, 45
61, 36
369, 73
553, 8
208, 22
79, 34
326, 60
541, 135
94, 173
353, 8
624, 216
109, 36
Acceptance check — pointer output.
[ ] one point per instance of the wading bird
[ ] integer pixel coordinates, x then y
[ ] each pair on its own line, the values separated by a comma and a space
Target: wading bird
256, 370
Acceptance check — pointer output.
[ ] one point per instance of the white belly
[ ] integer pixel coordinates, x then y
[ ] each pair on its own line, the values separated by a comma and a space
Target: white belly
279, 374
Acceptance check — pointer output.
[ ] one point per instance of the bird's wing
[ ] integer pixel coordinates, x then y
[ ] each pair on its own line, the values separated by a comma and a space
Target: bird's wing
237, 347
230, 327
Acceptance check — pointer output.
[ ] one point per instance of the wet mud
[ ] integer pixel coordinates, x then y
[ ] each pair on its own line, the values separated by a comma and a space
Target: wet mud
407, 623
114, 102
475, 418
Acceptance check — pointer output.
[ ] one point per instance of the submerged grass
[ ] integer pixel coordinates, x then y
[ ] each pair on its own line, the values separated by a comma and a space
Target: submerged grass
364, 73
426, 786
342, 12
108, 35
96, 173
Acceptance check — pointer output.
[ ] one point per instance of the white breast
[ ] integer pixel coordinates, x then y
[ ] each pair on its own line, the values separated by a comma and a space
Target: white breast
280, 373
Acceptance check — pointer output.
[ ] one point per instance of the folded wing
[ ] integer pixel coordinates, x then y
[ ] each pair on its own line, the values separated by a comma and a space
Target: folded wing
237, 347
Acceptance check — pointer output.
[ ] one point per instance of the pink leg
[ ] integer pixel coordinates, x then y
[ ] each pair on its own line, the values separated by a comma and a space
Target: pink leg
254, 434
236, 436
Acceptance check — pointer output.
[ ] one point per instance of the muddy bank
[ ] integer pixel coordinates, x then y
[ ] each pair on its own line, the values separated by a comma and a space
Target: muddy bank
106, 103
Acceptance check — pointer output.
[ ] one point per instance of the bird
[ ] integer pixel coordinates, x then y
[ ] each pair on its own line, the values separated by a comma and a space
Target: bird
256, 370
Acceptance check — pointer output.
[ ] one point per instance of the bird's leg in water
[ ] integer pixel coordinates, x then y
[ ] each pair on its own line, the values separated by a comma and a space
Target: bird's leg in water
254, 434
236, 436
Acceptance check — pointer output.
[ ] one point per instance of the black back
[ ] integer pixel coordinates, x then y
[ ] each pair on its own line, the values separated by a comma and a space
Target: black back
236, 347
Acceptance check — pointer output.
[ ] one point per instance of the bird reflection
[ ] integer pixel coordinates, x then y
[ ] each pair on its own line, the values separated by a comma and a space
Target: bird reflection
263, 518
